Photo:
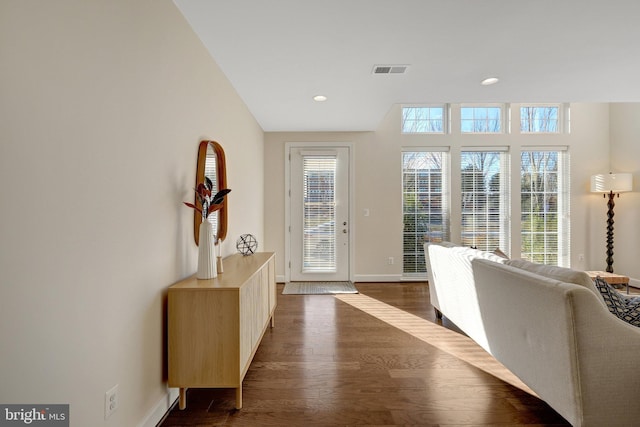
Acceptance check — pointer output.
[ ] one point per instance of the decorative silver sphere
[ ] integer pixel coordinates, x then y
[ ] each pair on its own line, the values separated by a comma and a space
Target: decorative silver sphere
247, 244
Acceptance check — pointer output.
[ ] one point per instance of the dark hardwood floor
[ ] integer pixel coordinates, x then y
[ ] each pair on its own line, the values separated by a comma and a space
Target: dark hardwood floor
377, 358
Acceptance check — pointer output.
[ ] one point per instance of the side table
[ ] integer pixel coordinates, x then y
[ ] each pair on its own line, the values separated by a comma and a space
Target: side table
610, 278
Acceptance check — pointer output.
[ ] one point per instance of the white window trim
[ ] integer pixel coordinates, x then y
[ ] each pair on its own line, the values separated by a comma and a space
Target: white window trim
505, 125
564, 200
446, 191
505, 190
563, 117
446, 126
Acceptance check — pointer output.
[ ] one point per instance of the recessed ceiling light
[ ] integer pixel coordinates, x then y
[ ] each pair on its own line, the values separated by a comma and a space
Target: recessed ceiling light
489, 81
319, 98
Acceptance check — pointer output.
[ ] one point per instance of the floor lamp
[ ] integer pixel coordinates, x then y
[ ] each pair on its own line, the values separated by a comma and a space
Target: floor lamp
611, 184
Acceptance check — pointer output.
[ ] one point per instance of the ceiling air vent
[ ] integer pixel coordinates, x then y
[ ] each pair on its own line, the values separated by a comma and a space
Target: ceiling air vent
390, 69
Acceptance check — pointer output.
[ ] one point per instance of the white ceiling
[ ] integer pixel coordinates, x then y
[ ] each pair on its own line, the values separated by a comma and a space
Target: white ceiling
278, 54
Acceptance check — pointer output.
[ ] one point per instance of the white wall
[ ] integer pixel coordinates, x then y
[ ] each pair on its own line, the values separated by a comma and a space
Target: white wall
378, 183
102, 106
625, 157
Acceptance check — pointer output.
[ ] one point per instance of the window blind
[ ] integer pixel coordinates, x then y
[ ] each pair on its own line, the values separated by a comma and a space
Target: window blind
545, 225
424, 205
319, 213
485, 199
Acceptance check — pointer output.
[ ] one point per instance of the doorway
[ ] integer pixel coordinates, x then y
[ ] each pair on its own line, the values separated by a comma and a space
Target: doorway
319, 213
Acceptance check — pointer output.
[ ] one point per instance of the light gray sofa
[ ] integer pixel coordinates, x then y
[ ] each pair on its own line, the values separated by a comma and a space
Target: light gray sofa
558, 337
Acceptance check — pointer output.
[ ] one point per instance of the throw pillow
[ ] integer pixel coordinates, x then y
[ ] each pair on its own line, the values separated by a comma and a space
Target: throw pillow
627, 309
499, 252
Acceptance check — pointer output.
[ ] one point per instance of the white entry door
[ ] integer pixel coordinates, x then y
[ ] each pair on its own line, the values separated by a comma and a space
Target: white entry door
319, 214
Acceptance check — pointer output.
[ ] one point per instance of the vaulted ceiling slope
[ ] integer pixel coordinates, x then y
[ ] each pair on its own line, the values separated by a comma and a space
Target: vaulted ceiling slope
278, 54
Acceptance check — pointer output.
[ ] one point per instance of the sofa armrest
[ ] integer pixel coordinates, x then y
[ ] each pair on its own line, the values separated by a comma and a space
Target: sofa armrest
608, 357
560, 341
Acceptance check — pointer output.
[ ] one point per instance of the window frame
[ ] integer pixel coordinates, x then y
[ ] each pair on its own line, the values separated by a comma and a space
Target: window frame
445, 209
563, 203
503, 116
562, 120
504, 193
445, 119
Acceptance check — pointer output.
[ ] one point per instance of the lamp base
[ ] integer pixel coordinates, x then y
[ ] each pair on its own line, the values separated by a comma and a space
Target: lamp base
610, 205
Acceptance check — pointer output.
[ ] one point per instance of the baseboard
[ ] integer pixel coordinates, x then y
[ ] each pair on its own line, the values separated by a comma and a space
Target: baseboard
377, 278
414, 279
161, 409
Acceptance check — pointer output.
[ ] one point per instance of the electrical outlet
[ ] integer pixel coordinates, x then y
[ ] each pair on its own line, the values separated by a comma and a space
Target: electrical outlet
111, 401
581, 257
390, 260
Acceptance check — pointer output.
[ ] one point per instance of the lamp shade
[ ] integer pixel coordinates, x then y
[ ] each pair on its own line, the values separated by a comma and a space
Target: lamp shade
611, 182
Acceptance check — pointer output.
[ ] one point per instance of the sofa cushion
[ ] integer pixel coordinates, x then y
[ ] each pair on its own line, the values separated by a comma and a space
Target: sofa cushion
627, 309
563, 274
471, 253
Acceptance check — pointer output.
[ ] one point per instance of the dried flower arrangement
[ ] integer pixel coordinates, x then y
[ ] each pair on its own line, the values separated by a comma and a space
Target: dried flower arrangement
207, 200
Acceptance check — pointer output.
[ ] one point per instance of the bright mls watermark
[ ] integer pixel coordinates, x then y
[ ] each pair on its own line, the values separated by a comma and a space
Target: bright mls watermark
34, 415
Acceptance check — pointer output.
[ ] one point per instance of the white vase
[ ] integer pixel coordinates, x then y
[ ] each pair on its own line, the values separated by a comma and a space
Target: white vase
206, 252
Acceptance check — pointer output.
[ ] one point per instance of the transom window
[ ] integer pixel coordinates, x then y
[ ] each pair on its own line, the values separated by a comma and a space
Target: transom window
481, 119
544, 199
424, 205
540, 119
423, 119
485, 199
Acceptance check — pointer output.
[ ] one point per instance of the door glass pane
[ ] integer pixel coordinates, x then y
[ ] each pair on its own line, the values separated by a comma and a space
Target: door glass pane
319, 214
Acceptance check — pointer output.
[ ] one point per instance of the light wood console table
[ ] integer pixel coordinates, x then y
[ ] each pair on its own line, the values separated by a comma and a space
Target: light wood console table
216, 325
610, 278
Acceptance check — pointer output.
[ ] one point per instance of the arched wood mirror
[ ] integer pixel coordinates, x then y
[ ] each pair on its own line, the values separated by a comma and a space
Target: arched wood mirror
211, 163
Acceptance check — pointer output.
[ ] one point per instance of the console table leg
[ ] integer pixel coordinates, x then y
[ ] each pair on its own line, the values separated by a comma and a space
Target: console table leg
239, 397
183, 398
273, 322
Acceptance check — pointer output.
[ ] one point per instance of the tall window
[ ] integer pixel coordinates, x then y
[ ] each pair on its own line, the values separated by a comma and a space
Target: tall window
540, 119
423, 119
481, 119
424, 205
545, 206
485, 199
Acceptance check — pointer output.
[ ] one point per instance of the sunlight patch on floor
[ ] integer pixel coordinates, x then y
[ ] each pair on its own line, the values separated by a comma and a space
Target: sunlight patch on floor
440, 337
